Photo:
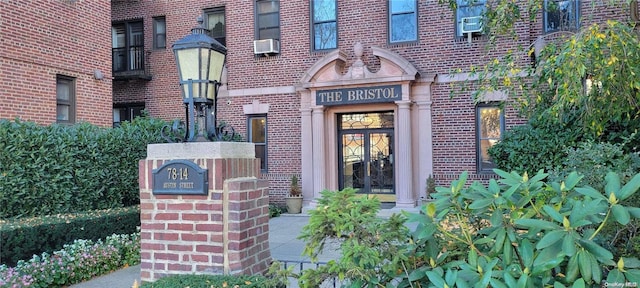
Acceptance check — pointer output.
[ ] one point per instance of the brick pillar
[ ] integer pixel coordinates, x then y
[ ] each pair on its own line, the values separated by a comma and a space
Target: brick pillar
224, 232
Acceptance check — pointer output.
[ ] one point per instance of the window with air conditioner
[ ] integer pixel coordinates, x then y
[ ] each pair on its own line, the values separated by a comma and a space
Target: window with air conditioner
561, 15
267, 19
127, 40
470, 17
325, 24
403, 21
267, 27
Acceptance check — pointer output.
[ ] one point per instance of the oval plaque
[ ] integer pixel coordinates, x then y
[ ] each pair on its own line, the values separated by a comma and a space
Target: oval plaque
180, 177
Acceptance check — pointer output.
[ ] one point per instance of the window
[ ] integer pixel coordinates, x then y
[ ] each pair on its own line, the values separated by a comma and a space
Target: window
325, 25
65, 99
215, 22
159, 33
403, 21
469, 13
127, 42
126, 112
258, 135
489, 128
561, 15
268, 19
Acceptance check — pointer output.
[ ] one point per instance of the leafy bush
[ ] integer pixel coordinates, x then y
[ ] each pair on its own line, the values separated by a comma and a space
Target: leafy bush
76, 262
207, 281
371, 246
530, 148
275, 210
62, 169
515, 232
25, 237
592, 159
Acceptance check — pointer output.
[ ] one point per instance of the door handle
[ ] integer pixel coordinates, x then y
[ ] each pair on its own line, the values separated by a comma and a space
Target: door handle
368, 169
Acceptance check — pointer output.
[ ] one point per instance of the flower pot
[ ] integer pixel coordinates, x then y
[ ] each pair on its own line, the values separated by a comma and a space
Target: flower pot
294, 205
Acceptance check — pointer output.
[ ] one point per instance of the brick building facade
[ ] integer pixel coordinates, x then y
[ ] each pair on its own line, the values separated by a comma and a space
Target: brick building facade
55, 61
310, 96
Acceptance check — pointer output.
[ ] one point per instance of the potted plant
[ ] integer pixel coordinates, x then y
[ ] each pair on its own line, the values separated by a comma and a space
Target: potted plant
294, 199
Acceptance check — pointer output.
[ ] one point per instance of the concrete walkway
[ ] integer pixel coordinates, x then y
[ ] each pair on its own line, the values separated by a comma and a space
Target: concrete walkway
284, 246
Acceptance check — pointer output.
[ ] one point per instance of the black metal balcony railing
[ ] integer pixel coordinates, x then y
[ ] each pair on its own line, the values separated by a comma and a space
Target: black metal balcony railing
129, 63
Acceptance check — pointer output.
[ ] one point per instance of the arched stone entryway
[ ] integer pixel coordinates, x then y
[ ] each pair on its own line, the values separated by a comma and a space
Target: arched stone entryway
329, 89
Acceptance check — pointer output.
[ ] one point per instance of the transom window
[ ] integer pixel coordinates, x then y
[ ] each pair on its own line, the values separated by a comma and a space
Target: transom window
489, 129
215, 22
469, 16
403, 21
325, 27
268, 19
561, 15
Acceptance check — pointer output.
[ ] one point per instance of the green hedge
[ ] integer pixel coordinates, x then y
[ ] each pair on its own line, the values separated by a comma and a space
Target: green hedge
63, 169
20, 239
207, 281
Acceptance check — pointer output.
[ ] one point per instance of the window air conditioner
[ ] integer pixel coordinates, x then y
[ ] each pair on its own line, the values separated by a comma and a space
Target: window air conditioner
471, 24
266, 46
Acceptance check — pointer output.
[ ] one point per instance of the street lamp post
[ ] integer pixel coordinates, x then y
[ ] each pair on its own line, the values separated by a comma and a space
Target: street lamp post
200, 60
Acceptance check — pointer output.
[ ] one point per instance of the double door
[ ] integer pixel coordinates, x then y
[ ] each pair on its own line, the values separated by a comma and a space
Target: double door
366, 155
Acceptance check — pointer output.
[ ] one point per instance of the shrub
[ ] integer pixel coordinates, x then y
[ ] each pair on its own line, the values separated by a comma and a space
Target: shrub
275, 210
371, 246
25, 237
515, 232
63, 169
76, 262
530, 148
207, 281
592, 159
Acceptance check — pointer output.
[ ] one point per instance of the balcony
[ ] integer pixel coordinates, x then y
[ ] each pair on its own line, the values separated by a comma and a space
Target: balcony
129, 64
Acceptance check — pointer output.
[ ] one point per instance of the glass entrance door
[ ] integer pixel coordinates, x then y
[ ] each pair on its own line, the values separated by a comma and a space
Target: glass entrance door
366, 154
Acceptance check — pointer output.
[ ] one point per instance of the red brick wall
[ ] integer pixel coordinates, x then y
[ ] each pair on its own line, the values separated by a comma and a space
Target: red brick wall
41, 39
186, 234
436, 52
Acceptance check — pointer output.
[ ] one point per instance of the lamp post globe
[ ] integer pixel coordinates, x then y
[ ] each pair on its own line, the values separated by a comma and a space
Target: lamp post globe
200, 60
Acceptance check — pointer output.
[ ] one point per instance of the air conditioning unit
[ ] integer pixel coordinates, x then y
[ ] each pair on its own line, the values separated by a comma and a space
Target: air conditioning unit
471, 24
266, 46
